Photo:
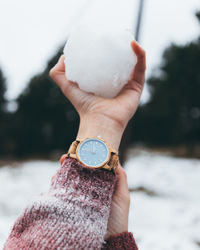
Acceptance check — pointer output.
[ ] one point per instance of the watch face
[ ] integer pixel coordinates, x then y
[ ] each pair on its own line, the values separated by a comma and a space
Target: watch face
93, 152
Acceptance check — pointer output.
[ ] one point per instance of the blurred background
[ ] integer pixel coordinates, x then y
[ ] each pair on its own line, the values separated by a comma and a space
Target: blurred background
160, 149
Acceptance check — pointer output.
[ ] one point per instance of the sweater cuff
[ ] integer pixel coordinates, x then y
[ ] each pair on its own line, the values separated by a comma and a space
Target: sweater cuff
120, 241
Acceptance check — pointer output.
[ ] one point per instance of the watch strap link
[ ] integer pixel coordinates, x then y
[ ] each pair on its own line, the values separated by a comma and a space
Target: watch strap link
72, 150
113, 163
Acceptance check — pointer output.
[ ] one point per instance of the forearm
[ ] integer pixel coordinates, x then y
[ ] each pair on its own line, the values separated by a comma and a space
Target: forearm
100, 125
72, 215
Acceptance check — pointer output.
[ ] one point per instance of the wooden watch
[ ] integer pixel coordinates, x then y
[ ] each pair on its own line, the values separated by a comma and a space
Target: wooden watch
93, 152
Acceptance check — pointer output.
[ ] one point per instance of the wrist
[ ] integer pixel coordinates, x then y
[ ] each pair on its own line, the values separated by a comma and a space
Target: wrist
100, 125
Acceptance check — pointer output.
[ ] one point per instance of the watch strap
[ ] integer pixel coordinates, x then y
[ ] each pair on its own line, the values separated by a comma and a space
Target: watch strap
114, 161
72, 150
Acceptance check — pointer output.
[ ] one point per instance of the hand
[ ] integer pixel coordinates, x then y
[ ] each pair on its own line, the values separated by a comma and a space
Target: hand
118, 219
101, 116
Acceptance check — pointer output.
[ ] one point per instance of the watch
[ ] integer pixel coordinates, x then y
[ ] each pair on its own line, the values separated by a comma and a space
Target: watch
93, 152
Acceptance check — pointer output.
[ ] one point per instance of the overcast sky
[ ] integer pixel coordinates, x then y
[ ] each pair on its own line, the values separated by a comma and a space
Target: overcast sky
32, 31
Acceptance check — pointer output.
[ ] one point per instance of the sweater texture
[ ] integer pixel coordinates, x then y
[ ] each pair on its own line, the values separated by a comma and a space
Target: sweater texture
72, 215
120, 241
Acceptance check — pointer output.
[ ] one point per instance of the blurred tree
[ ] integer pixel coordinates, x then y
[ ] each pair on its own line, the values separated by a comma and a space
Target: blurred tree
2, 110
2, 93
172, 116
198, 15
45, 119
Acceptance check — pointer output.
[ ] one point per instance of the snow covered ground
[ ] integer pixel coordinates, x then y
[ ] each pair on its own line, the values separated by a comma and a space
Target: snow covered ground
165, 198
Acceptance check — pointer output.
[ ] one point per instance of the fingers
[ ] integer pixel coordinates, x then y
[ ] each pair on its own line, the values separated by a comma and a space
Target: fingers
132, 91
122, 185
139, 71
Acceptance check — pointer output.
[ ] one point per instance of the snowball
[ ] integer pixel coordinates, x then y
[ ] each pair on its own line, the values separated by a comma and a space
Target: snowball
100, 60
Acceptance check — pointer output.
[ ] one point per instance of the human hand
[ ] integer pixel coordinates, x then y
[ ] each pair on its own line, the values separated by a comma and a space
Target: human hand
118, 219
98, 115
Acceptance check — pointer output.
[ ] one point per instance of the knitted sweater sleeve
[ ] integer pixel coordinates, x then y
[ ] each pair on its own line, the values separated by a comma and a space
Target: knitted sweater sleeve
72, 215
123, 241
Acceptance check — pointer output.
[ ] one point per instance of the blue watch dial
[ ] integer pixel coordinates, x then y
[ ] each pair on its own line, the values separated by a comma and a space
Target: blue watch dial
93, 152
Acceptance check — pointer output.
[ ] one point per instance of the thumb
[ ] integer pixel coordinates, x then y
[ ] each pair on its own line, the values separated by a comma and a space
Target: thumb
121, 190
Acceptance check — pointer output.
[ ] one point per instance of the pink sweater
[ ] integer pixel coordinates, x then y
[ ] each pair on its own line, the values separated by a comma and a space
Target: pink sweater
72, 215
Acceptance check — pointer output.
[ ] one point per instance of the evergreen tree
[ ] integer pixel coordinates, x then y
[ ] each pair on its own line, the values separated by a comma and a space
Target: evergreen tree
46, 120
2, 111
172, 116
198, 15
2, 92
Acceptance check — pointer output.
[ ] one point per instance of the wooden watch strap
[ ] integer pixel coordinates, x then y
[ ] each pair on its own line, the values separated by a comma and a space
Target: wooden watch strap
73, 147
114, 161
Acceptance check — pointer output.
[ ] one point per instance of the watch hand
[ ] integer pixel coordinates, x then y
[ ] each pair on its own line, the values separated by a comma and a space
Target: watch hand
93, 149
87, 150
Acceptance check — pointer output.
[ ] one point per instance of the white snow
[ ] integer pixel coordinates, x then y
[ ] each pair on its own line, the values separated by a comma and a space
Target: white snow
100, 59
168, 219
18, 185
